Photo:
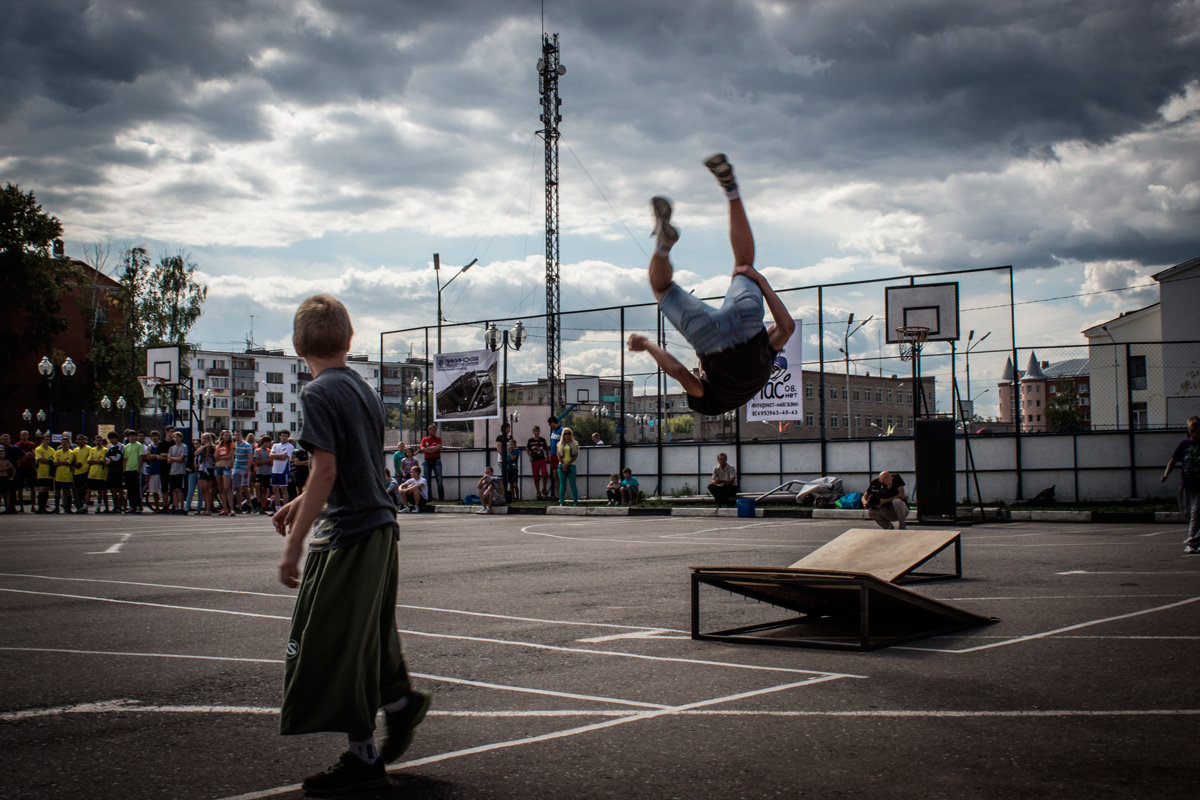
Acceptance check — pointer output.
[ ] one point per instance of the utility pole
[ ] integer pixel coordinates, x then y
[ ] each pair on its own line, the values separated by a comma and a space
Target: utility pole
549, 71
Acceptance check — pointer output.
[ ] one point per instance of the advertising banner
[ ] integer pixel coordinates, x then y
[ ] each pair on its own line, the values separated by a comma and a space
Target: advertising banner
465, 386
782, 399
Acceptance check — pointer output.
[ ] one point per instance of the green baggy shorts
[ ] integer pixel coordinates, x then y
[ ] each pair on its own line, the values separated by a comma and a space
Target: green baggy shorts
343, 653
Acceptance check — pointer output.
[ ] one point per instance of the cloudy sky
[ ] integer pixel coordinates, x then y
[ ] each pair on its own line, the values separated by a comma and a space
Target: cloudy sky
294, 147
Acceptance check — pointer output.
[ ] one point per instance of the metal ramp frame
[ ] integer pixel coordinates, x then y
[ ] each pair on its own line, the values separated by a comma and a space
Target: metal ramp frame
839, 608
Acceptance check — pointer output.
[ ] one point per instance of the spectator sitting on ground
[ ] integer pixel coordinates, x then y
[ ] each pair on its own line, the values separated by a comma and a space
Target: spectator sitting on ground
630, 490
613, 489
723, 486
491, 491
886, 502
414, 492
393, 486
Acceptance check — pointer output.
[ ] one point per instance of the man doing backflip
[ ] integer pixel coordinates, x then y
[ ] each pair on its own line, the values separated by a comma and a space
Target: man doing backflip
736, 351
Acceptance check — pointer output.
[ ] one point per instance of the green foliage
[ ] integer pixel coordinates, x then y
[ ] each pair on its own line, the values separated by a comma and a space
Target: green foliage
31, 280
1063, 413
681, 423
584, 424
157, 306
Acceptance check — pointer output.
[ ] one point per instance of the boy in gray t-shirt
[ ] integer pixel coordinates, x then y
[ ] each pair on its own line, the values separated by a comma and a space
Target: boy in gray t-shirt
177, 459
343, 654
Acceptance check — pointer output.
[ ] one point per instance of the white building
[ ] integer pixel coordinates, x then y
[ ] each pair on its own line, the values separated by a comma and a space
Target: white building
257, 390
1145, 364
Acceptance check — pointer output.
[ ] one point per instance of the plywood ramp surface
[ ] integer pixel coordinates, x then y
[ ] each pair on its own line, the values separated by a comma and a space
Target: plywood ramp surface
881, 553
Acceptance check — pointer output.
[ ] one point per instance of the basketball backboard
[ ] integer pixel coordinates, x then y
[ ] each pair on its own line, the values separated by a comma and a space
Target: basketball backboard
163, 362
583, 390
929, 305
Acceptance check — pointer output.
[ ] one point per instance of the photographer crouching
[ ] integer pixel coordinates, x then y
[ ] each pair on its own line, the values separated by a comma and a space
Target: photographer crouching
886, 502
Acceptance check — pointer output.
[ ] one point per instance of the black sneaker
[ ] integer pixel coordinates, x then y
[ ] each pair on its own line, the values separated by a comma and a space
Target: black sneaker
349, 774
722, 170
400, 725
665, 234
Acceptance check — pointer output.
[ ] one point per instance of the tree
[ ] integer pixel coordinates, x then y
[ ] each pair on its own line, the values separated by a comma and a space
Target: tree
1062, 413
31, 279
157, 307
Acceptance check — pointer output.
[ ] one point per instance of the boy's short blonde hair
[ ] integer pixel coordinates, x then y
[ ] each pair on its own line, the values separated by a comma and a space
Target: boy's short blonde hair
321, 327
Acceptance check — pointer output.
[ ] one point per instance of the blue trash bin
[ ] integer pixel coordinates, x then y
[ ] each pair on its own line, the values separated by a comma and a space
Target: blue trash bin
745, 506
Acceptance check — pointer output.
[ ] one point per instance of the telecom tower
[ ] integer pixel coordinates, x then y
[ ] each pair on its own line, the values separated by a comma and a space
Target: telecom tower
549, 71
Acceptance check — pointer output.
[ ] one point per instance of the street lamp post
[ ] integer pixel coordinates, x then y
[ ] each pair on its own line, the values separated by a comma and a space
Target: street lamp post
437, 276
46, 369
496, 339
846, 355
967, 355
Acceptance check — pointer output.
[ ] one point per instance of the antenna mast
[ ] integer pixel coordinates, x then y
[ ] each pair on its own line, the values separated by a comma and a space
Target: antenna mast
549, 71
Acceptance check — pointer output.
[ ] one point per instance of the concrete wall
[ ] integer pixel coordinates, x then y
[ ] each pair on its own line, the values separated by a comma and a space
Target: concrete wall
1085, 466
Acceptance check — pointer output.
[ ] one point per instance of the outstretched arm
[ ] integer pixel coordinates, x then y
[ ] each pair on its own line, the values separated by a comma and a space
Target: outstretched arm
668, 363
783, 326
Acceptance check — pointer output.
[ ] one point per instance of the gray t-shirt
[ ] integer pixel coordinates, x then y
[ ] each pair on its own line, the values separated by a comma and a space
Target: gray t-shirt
176, 451
344, 416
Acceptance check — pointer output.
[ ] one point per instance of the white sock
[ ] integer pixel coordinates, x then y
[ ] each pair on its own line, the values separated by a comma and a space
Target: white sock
365, 749
733, 194
392, 708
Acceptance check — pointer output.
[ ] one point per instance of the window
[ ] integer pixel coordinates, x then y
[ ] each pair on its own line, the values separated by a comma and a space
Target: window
1138, 418
218, 363
858, 420
275, 397
878, 422
243, 403
220, 402
857, 394
199, 363
908, 398
808, 390
808, 418
200, 385
1038, 404
274, 416
1083, 388
274, 377
218, 383
879, 395
292, 388
391, 372
833, 393
833, 420
293, 407
1137, 372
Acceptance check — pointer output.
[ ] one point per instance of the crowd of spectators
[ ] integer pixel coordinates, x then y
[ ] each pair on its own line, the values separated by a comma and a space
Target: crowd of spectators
141, 472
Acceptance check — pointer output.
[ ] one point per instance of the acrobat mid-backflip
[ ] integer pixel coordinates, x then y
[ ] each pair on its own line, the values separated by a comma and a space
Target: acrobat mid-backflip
735, 349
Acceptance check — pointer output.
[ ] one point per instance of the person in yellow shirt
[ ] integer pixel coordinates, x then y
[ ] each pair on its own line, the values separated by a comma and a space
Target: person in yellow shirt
80, 465
64, 474
97, 474
44, 454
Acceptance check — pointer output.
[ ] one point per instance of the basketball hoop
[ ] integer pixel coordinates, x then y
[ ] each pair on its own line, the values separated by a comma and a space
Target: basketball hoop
150, 384
911, 339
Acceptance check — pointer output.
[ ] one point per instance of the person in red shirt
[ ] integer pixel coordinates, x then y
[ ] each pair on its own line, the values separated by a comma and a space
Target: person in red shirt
431, 448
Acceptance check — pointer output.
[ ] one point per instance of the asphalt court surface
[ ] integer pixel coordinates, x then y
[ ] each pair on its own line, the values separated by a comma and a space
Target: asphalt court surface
143, 656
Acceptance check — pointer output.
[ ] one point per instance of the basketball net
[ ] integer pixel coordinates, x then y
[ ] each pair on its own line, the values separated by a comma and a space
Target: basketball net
911, 339
149, 385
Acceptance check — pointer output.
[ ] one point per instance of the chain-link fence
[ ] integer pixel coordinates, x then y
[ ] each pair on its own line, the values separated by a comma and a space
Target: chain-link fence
855, 385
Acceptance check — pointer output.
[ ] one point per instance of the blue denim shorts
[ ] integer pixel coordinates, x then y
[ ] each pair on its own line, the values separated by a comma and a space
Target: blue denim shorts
711, 330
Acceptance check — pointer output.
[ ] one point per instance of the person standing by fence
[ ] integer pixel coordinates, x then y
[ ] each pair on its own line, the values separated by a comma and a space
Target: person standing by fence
568, 453
1187, 456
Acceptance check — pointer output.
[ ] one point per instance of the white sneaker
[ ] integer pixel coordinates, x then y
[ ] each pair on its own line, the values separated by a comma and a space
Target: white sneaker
665, 234
722, 170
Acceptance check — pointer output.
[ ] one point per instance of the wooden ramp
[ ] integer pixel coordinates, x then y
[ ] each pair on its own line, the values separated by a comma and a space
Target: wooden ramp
844, 594
886, 555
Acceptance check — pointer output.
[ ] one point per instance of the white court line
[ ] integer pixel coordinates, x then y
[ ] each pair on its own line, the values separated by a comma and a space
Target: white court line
114, 548
655, 541
1063, 597
636, 628
133, 706
1156, 533
1044, 634
546, 737
1129, 572
481, 639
